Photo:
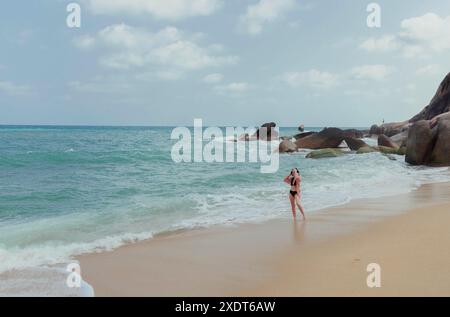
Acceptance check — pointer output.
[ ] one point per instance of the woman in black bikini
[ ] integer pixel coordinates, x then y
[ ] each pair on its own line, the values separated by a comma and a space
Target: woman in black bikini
294, 179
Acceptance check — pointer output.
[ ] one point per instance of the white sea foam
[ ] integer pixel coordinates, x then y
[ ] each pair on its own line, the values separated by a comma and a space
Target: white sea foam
42, 281
240, 205
41, 270
53, 254
326, 183
336, 184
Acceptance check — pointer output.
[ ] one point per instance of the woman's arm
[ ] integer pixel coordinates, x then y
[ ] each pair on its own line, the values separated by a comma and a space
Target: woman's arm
287, 179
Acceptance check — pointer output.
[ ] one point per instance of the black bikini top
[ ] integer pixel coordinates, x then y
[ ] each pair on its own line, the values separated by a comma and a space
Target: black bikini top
293, 181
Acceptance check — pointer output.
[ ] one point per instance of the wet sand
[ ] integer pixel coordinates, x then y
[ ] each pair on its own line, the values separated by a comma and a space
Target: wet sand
407, 235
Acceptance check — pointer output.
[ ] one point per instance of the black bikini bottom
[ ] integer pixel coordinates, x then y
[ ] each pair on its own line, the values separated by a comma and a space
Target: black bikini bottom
293, 193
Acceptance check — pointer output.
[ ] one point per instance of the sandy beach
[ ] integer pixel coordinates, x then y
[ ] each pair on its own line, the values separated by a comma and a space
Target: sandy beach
327, 255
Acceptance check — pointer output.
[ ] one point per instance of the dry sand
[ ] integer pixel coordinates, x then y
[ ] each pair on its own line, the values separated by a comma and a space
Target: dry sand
328, 255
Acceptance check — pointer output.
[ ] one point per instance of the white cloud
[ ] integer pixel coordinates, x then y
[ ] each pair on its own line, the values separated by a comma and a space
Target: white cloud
13, 89
103, 85
265, 11
383, 44
186, 54
122, 84
322, 80
432, 69
84, 42
234, 88
411, 51
164, 75
430, 30
171, 49
159, 9
312, 78
372, 72
419, 36
213, 78
169, 75
368, 93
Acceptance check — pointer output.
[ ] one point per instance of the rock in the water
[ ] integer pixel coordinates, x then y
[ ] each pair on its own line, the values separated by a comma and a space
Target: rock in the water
287, 146
441, 150
327, 138
301, 128
381, 149
419, 143
366, 149
324, 153
267, 132
383, 140
439, 104
355, 144
354, 133
269, 125
303, 135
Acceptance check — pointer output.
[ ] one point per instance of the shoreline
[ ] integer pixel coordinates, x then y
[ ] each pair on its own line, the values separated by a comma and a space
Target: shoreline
258, 259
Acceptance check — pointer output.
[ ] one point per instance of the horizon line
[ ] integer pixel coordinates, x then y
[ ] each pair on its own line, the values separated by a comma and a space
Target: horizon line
162, 126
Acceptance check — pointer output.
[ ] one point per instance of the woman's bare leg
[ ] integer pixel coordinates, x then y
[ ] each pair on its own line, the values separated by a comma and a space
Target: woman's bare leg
297, 201
292, 200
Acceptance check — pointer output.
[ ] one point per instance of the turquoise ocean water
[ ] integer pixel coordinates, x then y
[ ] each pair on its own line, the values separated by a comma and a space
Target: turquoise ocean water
71, 190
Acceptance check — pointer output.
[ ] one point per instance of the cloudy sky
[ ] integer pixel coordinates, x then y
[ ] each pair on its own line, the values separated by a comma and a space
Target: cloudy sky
233, 62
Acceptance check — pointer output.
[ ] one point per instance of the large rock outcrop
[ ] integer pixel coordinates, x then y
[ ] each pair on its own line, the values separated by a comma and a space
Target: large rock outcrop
425, 138
429, 137
428, 145
441, 150
440, 103
420, 143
